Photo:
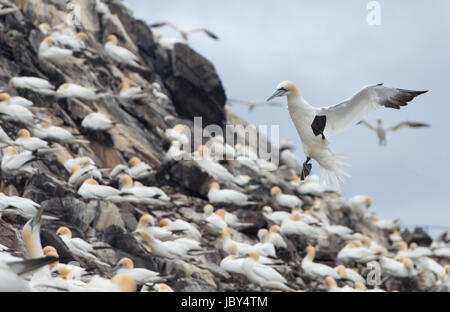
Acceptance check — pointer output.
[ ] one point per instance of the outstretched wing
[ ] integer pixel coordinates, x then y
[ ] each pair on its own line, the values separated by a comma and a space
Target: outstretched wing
408, 124
345, 115
156, 25
368, 125
206, 31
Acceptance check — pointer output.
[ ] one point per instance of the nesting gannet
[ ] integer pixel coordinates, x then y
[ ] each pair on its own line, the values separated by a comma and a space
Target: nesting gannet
176, 153
78, 161
385, 224
356, 252
45, 130
16, 112
316, 270
148, 224
32, 143
118, 283
119, 54
216, 195
4, 138
78, 246
232, 263
35, 84
15, 205
219, 149
15, 163
178, 133
182, 248
284, 200
382, 132
440, 252
129, 92
275, 238
138, 168
21, 101
160, 96
141, 192
333, 287
414, 252
314, 125
97, 122
76, 272
215, 221
72, 90
311, 185
349, 274
75, 42
183, 226
79, 175
185, 33
265, 247
360, 202
140, 275
402, 268
48, 50
90, 189
294, 226
12, 270
289, 159
277, 216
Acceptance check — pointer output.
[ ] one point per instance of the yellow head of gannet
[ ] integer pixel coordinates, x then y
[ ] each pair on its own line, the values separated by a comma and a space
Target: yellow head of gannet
125, 282
375, 219
360, 286
75, 169
274, 228
91, 181
125, 181
296, 179
254, 255
226, 232
413, 245
5, 97
368, 201
82, 36
402, 245
49, 249
134, 161
408, 263
50, 41
366, 241
165, 222
220, 213
147, 220
267, 210
330, 281
262, 234
52, 253
208, 209
125, 85
285, 88
214, 186
10, 150
64, 272
64, 231
23, 133
275, 191
295, 216
161, 287
310, 252
126, 263
342, 271
113, 39
232, 249
45, 122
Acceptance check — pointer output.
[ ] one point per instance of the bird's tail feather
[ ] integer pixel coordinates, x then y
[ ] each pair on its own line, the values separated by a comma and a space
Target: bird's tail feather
332, 168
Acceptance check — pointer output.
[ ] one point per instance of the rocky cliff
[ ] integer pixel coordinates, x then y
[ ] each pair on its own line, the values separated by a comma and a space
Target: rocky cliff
193, 89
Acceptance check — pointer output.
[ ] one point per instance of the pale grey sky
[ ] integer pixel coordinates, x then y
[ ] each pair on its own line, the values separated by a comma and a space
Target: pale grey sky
328, 49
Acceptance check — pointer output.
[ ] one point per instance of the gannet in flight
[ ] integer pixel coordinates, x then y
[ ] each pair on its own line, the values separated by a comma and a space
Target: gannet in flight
252, 105
314, 125
185, 34
383, 132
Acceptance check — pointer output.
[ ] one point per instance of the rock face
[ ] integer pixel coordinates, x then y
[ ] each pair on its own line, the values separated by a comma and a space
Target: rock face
193, 89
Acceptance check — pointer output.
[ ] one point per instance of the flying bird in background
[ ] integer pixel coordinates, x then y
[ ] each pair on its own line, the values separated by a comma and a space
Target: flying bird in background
382, 132
185, 34
314, 125
252, 105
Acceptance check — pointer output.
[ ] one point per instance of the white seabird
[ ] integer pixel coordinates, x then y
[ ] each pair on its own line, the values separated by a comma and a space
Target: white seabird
216, 195
382, 132
119, 54
16, 112
140, 275
185, 33
35, 84
97, 122
15, 163
45, 130
138, 168
129, 92
68, 90
48, 50
285, 200
315, 125
316, 270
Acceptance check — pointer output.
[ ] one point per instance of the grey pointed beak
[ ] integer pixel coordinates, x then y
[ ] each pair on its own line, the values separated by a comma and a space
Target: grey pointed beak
277, 93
